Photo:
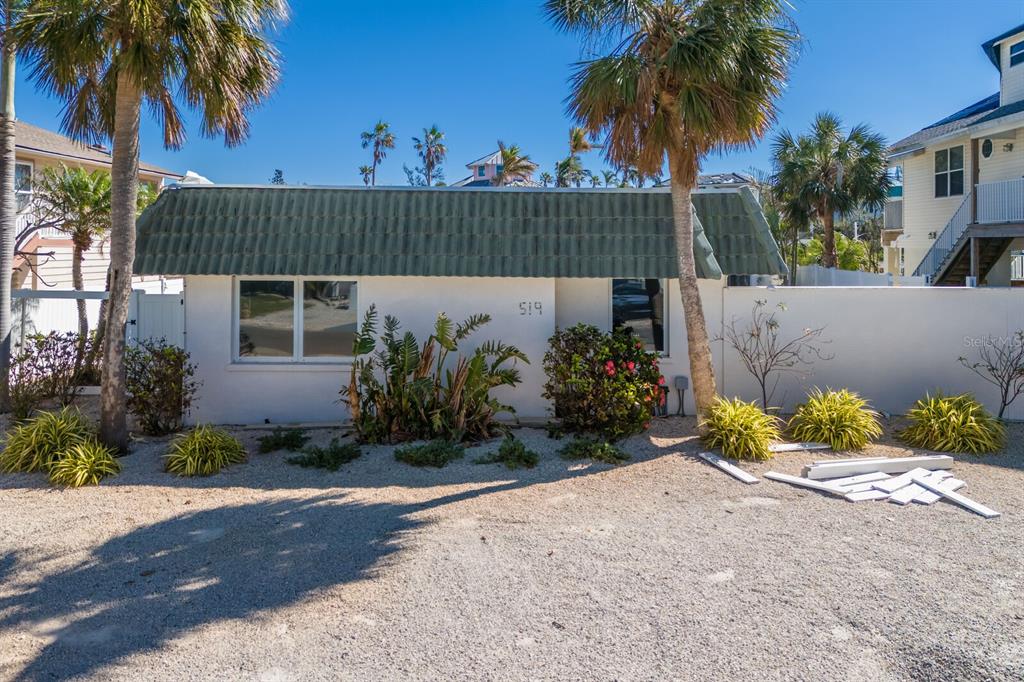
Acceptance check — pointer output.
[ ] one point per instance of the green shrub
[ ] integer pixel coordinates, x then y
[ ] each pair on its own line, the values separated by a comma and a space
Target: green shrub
283, 439
402, 391
160, 385
331, 457
436, 453
40, 442
742, 430
49, 366
840, 418
203, 451
601, 383
85, 463
953, 424
595, 449
512, 453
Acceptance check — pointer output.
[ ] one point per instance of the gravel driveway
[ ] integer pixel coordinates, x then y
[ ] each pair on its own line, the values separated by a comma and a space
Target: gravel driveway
663, 568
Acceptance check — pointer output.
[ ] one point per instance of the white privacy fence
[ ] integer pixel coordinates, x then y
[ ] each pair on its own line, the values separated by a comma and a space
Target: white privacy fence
150, 316
818, 276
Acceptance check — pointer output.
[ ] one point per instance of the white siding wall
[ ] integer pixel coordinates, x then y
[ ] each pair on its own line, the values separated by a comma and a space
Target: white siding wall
1003, 165
1011, 86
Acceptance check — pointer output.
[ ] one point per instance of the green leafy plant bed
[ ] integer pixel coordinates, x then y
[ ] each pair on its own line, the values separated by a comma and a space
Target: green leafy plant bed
283, 439
953, 424
436, 453
42, 441
331, 457
159, 378
85, 463
742, 430
595, 449
601, 383
840, 418
512, 453
203, 451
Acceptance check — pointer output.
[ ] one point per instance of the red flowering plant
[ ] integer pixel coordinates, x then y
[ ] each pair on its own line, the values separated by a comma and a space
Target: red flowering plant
601, 383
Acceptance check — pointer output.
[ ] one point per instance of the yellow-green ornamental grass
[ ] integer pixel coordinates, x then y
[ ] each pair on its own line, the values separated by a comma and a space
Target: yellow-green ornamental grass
203, 451
842, 419
742, 430
953, 424
86, 463
40, 442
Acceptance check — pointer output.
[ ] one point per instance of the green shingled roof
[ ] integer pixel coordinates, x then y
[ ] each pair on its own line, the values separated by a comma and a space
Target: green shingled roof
224, 230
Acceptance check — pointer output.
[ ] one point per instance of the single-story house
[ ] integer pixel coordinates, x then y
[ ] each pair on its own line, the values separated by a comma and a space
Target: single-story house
277, 278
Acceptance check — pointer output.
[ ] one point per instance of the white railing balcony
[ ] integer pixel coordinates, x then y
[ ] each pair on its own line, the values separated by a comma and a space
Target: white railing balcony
1001, 202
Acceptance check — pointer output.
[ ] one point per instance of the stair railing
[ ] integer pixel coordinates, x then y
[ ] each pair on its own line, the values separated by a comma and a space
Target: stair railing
936, 256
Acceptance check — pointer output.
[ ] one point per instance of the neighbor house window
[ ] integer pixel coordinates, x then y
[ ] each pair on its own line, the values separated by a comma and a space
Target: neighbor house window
639, 306
480, 171
949, 172
1017, 53
23, 185
295, 319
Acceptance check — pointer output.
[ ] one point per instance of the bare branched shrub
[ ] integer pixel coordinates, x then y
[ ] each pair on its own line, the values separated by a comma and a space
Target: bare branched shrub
766, 356
1001, 363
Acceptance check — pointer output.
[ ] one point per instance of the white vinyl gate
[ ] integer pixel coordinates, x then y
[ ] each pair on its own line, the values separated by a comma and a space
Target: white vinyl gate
156, 316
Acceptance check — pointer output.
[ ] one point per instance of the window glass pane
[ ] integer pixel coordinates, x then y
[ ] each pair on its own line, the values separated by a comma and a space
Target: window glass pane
942, 185
1017, 59
23, 185
1017, 48
639, 306
956, 183
328, 318
941, 161
956, 158
266, 310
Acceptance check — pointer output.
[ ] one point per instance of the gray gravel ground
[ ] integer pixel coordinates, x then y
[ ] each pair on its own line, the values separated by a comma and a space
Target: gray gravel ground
663, 568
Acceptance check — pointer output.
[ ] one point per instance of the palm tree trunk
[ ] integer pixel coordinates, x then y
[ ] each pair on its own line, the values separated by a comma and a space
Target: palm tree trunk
124, 187
373, 174
795, 257
8, 205
828, 237
702, 370
78, 284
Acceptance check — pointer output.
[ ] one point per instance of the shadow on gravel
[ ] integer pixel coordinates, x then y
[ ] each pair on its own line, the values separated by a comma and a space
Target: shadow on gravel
141, 590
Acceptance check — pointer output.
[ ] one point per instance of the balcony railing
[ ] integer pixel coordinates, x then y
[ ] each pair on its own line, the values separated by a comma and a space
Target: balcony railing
1001, 202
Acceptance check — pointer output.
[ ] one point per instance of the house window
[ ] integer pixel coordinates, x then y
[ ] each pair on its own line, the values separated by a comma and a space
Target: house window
640, 305
949, 172
1017, 53
500, 169
294, 320
480, 171
22, 185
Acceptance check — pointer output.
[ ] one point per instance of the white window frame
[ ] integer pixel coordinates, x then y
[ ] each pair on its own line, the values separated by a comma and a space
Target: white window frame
1019, 54
666, 326
31, 184
950, 170
298, 318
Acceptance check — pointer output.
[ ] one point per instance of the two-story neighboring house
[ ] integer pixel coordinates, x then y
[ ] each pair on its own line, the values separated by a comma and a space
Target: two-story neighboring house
484, 170
961, 213
43, 258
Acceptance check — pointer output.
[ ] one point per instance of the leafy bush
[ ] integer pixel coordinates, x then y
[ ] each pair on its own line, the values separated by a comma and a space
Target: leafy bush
512, 453
39, 443
160, 386
85, 463
203, 451
840, 418
283, 439
331, 458
598, 382
953, 424
742, 430
404, 392
49, 366
436, 453
595, 449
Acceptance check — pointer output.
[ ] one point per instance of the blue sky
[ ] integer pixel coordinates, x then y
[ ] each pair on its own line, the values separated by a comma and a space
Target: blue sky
493, 70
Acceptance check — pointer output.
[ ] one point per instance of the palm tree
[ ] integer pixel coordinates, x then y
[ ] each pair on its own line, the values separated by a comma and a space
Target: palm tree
367, 173
432, 151
546, 179
595, 180
578, 142
381, 139
514, 165
8, 204
685, 78
104, 59
826, 172
569, 172
611, 179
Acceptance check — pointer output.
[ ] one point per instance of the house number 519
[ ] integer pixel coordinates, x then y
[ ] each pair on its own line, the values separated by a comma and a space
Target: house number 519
530, 308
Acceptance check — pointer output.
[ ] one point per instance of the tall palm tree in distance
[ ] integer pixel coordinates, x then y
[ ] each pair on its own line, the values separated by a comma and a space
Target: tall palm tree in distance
683, 78
827, 172
432, 151
367, 173
610, 178
578, 142
514, 165
546, 179
105, 59
380, 139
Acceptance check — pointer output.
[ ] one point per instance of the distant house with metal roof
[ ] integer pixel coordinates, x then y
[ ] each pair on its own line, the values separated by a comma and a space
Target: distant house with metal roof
277, 278
961, 214
483, 171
